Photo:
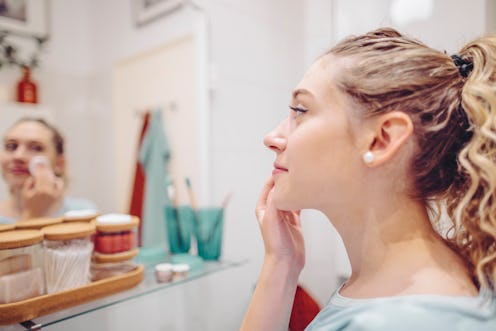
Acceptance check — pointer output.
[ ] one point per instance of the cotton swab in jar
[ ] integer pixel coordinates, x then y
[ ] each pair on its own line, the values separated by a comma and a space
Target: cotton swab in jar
67, 265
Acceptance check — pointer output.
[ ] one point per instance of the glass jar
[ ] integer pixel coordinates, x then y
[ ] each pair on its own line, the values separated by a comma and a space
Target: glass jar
110, 265
6, 227
21, 272
83, 215
38, 223
67, 255
116, 233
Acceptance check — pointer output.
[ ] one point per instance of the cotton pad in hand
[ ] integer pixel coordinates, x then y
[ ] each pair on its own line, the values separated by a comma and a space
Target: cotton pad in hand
38, 160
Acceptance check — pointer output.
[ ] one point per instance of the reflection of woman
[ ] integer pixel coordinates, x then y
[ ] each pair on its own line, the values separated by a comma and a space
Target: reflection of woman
381, 128
36, 189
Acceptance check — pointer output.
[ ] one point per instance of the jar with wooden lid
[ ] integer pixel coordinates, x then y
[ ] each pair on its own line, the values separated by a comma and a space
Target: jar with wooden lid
116, 233
7, 227
110, 265
67, 255
82, 215
21, 265
38, 223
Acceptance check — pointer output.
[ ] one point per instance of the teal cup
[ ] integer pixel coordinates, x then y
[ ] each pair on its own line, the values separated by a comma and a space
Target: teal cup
208, 232
179, 224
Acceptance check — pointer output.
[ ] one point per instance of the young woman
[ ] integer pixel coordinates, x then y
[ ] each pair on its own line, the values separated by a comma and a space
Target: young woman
36, 188
382, 132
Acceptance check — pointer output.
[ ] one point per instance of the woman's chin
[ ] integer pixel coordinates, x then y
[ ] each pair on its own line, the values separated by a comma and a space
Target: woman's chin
15, 184
285, 204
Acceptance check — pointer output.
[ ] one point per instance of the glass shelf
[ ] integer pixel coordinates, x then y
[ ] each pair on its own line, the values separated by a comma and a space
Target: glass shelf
147, 286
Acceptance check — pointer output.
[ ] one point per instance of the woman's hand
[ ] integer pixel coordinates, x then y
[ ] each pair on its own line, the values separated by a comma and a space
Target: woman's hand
272, 301
281, 231
42, 192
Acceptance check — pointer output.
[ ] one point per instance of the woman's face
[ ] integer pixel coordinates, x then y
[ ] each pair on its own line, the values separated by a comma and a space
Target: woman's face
316, 148
21, 143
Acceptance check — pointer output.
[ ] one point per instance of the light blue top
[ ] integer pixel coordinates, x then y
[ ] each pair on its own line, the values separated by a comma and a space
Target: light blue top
407, 313
68, 205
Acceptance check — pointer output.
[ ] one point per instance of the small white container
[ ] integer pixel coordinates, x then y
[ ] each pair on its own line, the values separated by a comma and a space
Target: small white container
163, 272
83, 215
180, 271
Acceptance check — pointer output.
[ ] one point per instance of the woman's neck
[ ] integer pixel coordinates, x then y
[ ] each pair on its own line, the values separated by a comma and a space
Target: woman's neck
13, 206
394, 250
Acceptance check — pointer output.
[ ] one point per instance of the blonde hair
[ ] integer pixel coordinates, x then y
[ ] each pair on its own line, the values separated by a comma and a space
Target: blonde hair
454, 120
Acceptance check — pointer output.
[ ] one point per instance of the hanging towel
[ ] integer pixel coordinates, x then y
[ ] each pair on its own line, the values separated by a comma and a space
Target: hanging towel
136, 207
154, 155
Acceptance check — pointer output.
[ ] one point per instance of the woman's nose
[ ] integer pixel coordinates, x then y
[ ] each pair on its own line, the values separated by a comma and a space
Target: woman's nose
20, 153
276, 139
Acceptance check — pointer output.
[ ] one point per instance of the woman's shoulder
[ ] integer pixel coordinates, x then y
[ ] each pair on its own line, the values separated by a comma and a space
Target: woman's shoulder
418, 312
4, 214
6, 220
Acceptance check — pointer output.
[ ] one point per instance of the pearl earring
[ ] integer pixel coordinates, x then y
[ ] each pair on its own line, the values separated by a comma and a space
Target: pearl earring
368, 157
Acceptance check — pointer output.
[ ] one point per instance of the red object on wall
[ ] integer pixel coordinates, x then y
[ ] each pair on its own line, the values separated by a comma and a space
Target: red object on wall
26, 88
305, 308
136, 207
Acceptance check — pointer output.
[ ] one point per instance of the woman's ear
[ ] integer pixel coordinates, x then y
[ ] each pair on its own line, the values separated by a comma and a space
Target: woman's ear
392, 131
59, 166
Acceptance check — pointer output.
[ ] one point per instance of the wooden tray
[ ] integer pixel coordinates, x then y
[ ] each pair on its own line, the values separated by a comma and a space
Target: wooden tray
25, 310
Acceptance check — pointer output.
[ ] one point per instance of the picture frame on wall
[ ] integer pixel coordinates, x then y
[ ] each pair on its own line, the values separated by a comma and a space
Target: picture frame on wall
25, 17
146, 11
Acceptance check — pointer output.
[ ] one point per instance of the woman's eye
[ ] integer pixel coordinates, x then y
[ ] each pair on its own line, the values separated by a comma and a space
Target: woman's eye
10, 147
298, 110
36, 148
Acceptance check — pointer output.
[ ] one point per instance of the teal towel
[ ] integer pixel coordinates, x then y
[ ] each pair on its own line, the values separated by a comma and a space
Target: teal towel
154, 155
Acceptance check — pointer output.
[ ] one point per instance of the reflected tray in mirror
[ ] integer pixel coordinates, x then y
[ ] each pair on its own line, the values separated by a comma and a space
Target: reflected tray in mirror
25, 310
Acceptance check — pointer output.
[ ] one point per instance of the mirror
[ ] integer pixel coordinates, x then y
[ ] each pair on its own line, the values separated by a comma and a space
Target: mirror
95, 82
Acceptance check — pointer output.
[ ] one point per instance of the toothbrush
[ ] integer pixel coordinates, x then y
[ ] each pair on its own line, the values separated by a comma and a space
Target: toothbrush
191, 194
171, 191
220, 215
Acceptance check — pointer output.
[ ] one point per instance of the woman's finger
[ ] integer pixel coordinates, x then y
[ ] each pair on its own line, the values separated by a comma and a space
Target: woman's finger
262, 200
58, 186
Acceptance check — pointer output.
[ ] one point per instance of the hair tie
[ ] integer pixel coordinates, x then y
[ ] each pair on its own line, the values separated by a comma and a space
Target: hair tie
464, 66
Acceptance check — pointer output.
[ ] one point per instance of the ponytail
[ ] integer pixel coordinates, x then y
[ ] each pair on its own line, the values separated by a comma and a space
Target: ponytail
471, 199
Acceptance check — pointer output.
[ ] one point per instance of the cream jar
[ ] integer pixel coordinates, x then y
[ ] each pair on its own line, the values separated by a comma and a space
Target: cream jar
163, 272
180, 271
116, 233
83, 215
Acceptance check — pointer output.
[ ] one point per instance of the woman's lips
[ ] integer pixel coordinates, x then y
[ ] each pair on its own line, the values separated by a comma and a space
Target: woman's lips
278, 169
19, 171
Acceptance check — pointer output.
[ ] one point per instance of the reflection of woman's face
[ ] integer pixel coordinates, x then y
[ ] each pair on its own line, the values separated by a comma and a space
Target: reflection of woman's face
21, 143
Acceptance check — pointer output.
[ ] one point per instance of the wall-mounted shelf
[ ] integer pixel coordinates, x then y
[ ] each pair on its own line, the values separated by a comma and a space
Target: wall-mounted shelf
16, 110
